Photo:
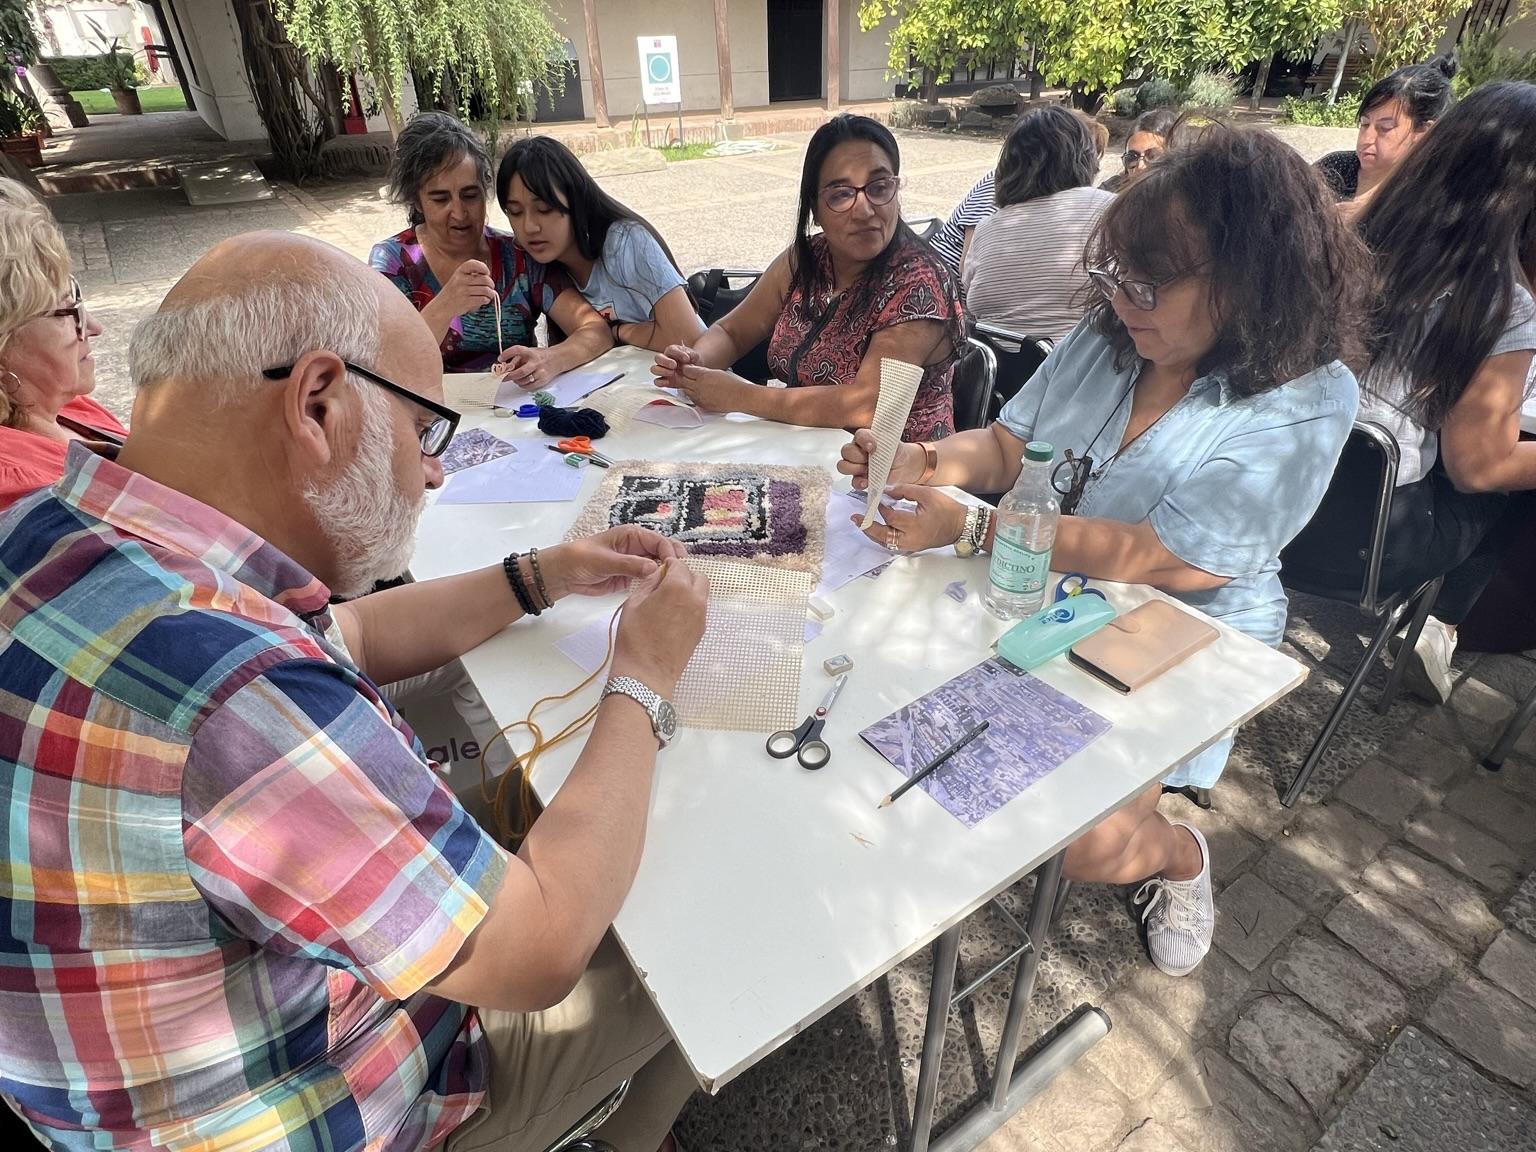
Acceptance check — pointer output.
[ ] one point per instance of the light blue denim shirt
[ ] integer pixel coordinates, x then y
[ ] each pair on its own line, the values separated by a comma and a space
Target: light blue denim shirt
1225, 480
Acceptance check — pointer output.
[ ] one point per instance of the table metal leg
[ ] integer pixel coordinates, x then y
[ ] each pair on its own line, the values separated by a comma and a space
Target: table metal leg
946, 951
1046, 881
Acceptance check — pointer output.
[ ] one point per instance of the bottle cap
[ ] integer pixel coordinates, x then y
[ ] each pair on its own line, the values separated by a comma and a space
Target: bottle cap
1039, 451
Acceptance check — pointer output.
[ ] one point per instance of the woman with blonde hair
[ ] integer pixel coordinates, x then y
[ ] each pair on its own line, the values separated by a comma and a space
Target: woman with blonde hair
46, 369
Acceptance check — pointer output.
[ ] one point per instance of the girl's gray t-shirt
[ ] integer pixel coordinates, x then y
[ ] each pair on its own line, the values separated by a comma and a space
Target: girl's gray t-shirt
632, 274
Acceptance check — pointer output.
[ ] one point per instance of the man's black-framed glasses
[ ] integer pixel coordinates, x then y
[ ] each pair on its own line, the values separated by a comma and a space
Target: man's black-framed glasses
76, 310
879, 192
1070, 478
435, 437
1141, 293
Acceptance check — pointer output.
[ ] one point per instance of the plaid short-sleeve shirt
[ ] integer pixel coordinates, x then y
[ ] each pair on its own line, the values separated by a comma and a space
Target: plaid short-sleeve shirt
228, 870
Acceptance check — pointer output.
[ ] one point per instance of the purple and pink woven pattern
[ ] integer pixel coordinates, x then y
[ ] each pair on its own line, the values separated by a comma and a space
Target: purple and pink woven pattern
744, 512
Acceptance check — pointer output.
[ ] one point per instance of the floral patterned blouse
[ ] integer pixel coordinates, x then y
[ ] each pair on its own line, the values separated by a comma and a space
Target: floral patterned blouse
824, 342
527, 288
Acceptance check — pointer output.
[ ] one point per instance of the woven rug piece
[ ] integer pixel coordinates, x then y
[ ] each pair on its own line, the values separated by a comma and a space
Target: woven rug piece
745, 674
898, 388
754, 512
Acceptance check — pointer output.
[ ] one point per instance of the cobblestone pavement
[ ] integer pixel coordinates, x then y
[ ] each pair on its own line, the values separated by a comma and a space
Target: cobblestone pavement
1373, 984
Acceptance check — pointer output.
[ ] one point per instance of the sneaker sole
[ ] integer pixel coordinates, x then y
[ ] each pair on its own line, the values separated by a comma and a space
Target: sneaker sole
1166, 971
1417, 680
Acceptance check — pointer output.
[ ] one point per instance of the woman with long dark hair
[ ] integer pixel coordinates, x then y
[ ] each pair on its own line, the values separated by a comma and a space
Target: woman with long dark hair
1196, 415
617, 260
1451, 349
834, 304
1024, 269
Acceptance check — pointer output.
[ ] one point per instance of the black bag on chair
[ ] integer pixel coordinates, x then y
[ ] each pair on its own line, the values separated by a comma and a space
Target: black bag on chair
714, 295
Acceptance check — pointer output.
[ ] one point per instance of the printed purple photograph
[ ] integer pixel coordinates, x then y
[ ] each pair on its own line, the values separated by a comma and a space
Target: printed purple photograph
474, 446
1034, 729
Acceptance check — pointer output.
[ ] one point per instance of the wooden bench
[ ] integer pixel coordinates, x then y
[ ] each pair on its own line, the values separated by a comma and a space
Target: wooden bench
1322, 76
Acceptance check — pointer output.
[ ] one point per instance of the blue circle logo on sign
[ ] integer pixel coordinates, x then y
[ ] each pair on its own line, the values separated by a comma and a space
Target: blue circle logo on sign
659, 66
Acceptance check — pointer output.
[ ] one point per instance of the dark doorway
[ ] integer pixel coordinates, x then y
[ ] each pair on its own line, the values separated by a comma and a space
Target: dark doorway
794, 49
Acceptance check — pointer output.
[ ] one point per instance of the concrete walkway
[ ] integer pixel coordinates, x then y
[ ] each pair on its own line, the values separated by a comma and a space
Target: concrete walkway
1374, 980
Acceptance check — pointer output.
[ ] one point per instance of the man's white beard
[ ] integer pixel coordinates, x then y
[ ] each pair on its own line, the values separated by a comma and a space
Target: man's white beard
369, 522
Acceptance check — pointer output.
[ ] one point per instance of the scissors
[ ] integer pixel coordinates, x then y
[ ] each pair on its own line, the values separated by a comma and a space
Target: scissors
806, 739
1075, 584
582, 446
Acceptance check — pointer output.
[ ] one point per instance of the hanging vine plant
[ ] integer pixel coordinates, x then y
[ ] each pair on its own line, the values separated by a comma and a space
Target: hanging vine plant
282, 84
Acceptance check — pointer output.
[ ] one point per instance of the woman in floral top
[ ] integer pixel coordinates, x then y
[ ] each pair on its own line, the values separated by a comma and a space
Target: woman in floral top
833, 305
454, 268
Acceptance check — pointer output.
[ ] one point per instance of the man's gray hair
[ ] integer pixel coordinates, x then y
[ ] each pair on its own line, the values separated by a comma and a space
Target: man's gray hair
225, 340
428, 143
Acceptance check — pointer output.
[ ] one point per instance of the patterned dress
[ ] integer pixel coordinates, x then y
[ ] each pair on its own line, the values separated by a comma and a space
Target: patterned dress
823, 341
527, 288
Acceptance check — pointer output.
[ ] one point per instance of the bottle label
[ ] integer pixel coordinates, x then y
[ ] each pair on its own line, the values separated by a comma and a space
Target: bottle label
1018, 570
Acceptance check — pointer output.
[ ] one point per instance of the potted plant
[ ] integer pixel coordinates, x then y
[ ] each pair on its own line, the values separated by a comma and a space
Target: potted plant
118, 69
21, 127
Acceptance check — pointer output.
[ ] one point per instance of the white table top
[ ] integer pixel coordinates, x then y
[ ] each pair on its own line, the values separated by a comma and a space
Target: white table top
1528, 417
767, 894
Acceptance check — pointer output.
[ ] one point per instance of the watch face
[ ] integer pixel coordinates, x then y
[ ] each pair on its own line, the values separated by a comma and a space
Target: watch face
666, 719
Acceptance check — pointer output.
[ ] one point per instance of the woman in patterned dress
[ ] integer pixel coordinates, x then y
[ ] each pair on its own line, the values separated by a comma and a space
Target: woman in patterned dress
834, 304
454, 268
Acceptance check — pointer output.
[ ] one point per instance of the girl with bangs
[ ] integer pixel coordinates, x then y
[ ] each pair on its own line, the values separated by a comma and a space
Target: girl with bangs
1196, 415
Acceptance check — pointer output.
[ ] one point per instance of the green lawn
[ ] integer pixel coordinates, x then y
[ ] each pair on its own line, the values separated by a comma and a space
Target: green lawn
165, 99
686, 151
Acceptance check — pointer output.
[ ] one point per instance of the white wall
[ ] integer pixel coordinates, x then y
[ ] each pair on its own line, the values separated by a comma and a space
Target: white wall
866, 55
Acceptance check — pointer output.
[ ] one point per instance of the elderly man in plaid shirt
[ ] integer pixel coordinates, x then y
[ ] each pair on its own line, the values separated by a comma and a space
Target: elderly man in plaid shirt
238, 909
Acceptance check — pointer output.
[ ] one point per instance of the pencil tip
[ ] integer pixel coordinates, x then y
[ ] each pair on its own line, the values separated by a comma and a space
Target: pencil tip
886, 803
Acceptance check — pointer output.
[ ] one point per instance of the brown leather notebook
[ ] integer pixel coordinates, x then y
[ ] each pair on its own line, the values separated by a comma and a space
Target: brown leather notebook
1142, 644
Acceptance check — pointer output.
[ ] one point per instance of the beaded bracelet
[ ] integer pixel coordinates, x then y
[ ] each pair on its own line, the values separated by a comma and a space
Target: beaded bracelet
514, 576
538, 578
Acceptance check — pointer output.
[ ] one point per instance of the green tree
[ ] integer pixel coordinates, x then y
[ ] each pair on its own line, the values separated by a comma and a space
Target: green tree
1405, 31
491, 50
934, 36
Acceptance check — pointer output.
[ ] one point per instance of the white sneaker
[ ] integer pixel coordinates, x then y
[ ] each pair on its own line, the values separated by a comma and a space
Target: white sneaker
1180, 915
1428, 674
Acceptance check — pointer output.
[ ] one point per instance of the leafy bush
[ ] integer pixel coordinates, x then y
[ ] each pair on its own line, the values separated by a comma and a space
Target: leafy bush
1481, 59
1317, 111
18, 115
1212, 91
1123, 102
83, 73
1156, 94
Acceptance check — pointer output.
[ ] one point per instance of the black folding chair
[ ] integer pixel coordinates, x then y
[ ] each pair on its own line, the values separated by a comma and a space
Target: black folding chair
1018, 356
716, 291
973, 384
1368, 463
926, 227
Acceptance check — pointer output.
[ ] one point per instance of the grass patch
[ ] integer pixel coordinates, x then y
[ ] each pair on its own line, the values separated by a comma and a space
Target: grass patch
686, 151
98, 101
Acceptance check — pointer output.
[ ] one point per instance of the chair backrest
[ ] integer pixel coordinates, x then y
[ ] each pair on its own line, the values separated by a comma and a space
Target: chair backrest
1367, 466
716, 291
973, 384
1018, 356
926, 227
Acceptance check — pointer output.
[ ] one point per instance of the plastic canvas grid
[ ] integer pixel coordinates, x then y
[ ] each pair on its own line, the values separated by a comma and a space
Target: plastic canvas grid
620, 403
756, 512
898, 388
745, 673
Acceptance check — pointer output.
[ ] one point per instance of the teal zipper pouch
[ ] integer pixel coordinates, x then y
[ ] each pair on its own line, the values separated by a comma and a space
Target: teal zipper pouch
1053, 629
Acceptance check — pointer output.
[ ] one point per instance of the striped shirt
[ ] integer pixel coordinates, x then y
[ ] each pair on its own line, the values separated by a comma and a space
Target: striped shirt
1024, 270
230, 872
948, 243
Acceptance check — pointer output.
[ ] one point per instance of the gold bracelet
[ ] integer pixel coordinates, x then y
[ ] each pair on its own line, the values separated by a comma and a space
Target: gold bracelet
930, 462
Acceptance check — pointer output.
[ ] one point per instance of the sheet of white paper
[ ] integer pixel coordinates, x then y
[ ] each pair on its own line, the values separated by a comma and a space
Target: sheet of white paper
528, 477
849, 553
568, 388
587, 647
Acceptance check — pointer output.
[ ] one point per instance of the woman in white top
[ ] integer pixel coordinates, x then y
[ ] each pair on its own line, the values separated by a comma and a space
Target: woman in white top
1455, 331
1024, 270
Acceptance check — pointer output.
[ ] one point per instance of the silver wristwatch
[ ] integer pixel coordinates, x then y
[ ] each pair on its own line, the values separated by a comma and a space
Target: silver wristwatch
663, 715
973, 537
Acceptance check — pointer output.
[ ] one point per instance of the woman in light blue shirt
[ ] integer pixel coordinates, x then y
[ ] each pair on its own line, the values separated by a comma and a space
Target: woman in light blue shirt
1197, 413
619, 263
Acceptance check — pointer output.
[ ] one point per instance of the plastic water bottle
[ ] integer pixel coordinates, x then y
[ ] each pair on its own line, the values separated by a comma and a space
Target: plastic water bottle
1026, 532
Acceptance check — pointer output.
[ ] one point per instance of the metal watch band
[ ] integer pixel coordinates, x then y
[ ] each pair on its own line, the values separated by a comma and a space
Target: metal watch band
983, 522
662, 715
966, 545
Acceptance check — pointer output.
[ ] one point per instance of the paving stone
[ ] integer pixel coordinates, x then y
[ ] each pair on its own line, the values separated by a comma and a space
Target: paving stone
1517, 776
1340, 833
1422, 1097
1485, 800
1309, 876
1513, 675
1470, 733
1231, 847
1510, 962
1466, 848
1401, 946
1213, 1106
1520, 912
1427, 759
1078, 1111
1294, 1052
1251, 800
1251, 918
1151, 1137
1383, 793
1439, 899
1482, 703
1139, 1048
1489, 1025
1343, 987
1206, 998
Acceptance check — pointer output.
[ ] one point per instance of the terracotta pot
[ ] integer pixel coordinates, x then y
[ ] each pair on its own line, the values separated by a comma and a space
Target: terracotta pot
127, 101
28, 149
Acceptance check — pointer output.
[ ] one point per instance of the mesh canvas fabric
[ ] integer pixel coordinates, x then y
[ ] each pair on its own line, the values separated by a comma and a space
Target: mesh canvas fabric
898, 388
621, 403
749, 512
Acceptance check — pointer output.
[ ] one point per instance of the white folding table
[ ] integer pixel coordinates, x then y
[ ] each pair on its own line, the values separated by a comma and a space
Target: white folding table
767, 894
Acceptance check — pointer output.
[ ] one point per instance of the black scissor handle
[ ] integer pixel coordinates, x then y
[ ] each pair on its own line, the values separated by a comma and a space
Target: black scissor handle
814, 753
785, 743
